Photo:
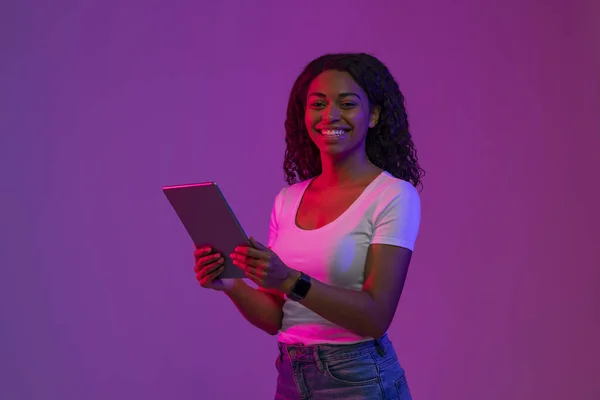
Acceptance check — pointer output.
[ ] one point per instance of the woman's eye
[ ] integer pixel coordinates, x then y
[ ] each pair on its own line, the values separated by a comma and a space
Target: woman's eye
348, 105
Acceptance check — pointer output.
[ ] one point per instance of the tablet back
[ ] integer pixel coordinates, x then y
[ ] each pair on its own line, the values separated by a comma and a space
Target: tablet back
209, 220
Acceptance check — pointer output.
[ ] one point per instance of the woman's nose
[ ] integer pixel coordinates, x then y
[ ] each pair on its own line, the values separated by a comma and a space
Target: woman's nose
331, 113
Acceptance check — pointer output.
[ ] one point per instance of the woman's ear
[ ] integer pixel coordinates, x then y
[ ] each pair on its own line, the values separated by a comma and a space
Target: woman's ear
374, 116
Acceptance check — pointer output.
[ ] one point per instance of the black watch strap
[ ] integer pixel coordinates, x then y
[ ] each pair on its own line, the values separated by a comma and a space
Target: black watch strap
300, 288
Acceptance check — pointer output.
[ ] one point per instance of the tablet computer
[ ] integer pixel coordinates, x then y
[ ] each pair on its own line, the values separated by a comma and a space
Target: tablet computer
209, 220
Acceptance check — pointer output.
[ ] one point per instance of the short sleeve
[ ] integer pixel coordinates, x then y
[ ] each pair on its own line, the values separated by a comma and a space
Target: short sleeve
274, 222
398, 217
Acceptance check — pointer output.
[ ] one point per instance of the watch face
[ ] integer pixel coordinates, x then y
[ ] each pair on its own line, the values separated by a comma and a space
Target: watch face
302, 286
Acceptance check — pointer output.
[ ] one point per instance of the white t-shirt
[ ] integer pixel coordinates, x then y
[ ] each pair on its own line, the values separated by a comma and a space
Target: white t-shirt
387, 212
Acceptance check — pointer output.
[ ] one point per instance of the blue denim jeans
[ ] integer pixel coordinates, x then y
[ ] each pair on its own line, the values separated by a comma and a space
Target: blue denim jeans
368, 370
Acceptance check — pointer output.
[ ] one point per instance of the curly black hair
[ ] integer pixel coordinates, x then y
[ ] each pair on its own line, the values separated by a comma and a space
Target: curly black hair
389, 144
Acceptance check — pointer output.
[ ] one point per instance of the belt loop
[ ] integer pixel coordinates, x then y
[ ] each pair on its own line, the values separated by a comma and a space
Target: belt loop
379, 348
281, 349
318, 360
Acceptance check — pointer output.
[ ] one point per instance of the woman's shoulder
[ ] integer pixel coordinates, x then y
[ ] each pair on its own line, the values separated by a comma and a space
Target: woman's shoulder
395, 198
293, 190
390, 186
288, 195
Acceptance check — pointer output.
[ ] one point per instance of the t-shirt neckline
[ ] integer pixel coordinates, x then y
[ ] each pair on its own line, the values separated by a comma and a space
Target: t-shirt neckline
354, 204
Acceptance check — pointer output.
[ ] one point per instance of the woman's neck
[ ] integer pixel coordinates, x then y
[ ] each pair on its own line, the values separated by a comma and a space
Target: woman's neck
347, 171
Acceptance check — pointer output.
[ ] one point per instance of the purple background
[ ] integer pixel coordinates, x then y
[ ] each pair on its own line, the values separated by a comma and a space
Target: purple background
105, 102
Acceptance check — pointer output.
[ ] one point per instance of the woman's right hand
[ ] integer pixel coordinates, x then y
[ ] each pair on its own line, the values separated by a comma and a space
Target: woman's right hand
209, 265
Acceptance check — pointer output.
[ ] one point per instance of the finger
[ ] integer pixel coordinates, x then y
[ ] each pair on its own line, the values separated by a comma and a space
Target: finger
212, 275
255, 262
264, 255
258, 272
204, 261
258, 245
208, 279
252, 252
243, 249
202, 251
244, 267
239, 264
208, 269
256, 265
253, 277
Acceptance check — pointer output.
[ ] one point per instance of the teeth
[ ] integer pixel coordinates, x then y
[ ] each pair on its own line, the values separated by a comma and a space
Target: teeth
337, 132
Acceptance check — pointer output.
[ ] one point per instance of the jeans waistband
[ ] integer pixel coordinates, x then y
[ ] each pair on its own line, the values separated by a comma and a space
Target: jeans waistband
316, 352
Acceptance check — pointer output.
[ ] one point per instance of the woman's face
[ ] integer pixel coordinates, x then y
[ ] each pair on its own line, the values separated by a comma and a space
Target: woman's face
338, 113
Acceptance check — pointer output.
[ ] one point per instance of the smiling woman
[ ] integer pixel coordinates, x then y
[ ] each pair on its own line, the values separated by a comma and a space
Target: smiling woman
341, 236
343, 122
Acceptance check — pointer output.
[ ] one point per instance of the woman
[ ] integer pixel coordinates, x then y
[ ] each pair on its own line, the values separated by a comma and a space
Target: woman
341, 236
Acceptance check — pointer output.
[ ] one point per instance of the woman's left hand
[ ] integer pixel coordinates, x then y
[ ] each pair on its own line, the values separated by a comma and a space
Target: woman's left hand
261, 265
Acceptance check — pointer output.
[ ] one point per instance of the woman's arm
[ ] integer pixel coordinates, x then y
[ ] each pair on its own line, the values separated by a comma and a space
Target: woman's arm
261, 307
368, 312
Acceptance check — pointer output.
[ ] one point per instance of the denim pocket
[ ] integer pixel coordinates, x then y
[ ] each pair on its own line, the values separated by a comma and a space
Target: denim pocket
353, 371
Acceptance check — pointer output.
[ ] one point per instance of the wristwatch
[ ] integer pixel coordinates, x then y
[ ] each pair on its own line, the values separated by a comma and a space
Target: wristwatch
300, 287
